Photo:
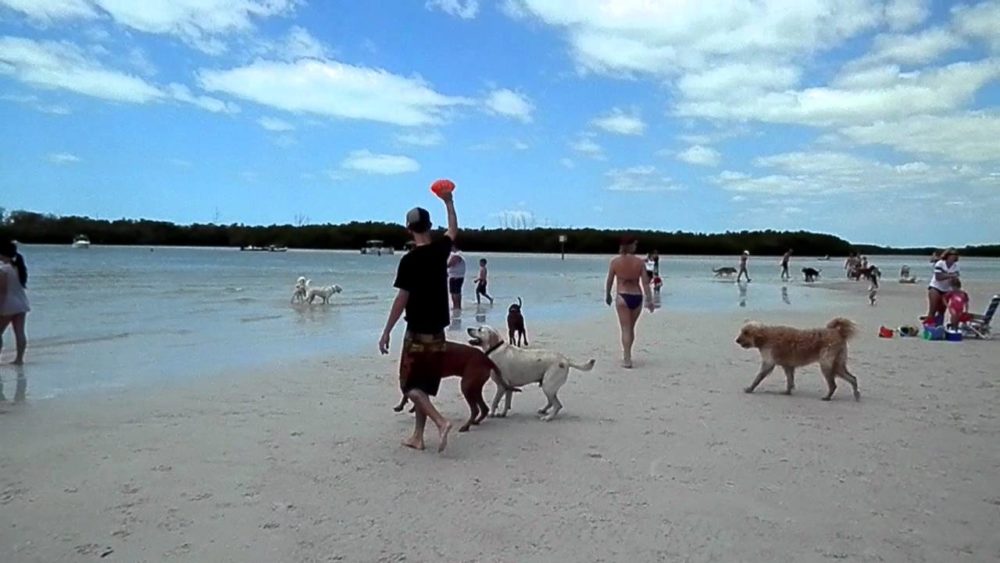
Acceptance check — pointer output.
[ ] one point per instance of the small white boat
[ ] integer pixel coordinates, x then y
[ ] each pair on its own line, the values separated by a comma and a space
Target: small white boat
377, 248
81, 241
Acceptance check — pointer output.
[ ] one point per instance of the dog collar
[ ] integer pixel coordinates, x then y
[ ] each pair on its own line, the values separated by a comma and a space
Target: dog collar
495, 347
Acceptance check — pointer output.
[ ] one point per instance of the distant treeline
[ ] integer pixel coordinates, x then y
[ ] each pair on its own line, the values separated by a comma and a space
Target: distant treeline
29, 227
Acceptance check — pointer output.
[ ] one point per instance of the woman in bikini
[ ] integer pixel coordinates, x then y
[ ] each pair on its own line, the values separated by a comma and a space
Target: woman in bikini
632, 284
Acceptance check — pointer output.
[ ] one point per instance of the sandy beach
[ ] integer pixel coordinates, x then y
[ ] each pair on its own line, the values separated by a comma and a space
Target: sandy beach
670, 461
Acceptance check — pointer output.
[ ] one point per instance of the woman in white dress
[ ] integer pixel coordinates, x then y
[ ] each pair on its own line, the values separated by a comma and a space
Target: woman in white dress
14, 305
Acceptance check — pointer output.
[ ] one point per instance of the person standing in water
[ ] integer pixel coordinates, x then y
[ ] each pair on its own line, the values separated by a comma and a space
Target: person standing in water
785, 276
481, 282
422, 278
628, 273
456, 277
744, 258
14, 305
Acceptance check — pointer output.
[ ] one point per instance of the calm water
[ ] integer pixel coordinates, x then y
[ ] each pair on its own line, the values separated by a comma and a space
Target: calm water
122, 316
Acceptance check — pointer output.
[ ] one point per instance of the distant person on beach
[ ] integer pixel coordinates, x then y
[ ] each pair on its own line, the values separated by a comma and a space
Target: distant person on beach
785, 276
628, 272
456, 276
946, 272
851, 265
421, 279
481, 283
14, 306
873, 289
653, 264
744, 258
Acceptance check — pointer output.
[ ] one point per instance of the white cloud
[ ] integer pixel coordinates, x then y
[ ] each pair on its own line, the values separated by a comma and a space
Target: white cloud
935, 90
182, 93
969, 137
509, 103
466, 10
386, 164
297, 44
333, 89
61, 65
638, 179
520, 145
46, 11
620, 123
64, 158
904, 14
567, 163
179, 162
737, 80
64, 66
981, 21
425, 139
275, 124
587, 146
918, 48
700, 155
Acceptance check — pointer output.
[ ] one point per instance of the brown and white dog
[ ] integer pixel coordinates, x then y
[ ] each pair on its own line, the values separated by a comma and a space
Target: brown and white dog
520, 367
791, 348
475, 368
515, 325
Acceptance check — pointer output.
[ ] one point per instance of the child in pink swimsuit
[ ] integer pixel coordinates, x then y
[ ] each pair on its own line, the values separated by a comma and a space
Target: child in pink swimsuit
958, 303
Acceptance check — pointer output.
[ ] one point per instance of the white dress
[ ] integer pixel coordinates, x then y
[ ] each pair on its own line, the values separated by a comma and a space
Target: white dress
942, 267
16, 301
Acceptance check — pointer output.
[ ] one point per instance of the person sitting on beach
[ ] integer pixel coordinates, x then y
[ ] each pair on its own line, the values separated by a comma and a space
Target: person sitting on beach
481, 283
14, 306
421, 278
629, 271
905, 276
744, 258
957, 301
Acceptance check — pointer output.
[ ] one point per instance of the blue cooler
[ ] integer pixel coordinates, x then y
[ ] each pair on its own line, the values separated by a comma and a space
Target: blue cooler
934, 333
953, 336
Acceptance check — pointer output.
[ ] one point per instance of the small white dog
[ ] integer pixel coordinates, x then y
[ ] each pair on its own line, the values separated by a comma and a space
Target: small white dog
299, 292
520, 367
323, 293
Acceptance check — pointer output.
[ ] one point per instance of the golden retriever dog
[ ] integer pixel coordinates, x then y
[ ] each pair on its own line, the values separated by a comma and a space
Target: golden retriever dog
791, 348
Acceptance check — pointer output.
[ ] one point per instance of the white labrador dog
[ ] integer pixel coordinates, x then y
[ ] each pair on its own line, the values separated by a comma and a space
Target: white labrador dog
521, 366
301, 287
323, 293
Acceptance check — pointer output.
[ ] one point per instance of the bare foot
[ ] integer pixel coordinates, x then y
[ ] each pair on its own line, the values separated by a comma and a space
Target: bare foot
444, 436
414, 442
627, 364
17, 363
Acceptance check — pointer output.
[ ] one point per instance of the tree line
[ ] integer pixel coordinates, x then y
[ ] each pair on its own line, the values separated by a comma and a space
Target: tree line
30, 227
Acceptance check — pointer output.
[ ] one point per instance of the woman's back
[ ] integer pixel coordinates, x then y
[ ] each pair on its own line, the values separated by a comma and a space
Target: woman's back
628, 270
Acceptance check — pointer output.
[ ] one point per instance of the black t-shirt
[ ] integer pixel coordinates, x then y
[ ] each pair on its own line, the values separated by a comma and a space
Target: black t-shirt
423, 272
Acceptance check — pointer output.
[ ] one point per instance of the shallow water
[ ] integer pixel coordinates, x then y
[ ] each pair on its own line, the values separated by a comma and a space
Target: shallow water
122, 316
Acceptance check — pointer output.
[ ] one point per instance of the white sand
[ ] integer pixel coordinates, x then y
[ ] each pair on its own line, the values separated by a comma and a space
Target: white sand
669, 461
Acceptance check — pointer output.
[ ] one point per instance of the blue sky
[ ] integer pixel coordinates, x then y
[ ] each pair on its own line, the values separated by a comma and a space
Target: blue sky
875, 121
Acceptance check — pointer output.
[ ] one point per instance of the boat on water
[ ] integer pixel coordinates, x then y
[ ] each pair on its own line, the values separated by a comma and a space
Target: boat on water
270, 248
81, 241
377, 248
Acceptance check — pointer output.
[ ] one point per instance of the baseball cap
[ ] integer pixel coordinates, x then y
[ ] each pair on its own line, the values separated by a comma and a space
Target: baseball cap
418, 219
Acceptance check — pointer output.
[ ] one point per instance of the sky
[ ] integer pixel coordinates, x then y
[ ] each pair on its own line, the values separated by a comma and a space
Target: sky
874, 121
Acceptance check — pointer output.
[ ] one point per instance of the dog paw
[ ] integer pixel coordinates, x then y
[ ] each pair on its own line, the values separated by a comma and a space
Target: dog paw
748, 389
826, 398
857, 395
547, 418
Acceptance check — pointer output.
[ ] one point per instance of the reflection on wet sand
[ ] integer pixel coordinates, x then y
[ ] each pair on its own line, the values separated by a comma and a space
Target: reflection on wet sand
784, 295
743, 293
14, 373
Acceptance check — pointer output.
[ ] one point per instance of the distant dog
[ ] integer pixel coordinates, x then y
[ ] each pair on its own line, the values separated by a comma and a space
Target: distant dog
725, 271
475, 368
323, 293
515, 324
810, 274
299, 292
520, 367
791, 348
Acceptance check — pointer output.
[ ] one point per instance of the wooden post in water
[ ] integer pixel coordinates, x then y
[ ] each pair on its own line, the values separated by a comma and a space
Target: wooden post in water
562, 246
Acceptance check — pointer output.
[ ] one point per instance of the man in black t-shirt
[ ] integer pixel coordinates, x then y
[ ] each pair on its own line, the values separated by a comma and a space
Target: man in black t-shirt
422, 281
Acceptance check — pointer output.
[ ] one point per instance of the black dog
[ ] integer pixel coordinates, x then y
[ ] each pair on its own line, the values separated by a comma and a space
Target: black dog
810, 274
515, 324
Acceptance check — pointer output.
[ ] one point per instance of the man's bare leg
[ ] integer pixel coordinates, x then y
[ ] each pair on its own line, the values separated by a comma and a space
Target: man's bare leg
416, 441
425, 407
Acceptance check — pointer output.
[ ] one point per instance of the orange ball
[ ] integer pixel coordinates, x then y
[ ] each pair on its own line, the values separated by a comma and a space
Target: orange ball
443, 186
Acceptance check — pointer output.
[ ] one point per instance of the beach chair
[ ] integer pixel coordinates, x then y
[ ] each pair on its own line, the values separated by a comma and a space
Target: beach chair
978, 326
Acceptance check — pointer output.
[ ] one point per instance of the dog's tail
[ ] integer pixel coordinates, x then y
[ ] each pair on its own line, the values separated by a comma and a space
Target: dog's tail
844, 327
519, 304
582, 367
